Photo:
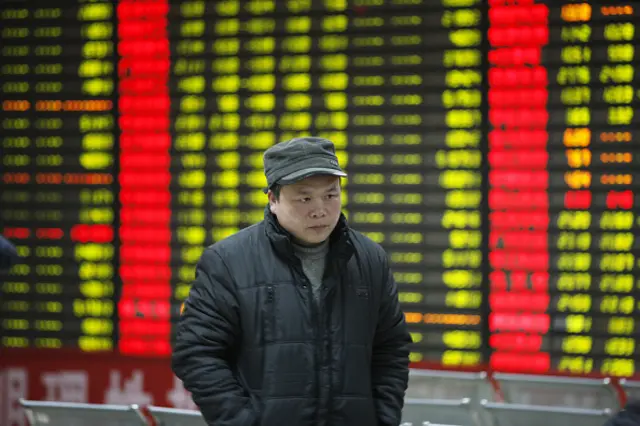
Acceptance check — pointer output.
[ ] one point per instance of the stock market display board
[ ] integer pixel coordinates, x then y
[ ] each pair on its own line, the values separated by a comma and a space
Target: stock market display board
491, 149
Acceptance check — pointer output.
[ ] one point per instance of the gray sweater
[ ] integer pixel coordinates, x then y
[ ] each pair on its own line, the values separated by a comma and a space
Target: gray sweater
313, 262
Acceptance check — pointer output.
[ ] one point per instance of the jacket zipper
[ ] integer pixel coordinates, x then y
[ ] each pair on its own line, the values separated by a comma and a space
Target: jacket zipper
317, 347
270, 318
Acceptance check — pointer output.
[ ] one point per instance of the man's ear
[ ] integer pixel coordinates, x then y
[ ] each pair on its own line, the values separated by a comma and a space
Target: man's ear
272, 201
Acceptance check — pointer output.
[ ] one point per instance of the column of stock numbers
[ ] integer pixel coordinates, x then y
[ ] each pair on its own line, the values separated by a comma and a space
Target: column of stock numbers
144, 177
617, 155
190, 154
607, 300
518, 181
595, 294
58, 187
570, 158
414, 161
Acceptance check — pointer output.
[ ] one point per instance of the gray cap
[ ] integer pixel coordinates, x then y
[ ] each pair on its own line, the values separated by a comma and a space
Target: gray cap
296, 159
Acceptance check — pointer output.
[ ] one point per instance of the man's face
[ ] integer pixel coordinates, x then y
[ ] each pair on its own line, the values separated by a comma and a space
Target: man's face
309, 209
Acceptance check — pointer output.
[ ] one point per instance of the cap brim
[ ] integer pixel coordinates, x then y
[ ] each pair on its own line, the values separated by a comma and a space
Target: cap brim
305, 173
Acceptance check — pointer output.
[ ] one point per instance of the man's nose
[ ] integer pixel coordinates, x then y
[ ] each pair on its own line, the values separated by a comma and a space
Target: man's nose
318, 210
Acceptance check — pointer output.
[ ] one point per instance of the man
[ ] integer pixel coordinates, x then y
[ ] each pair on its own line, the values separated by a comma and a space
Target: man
295, 320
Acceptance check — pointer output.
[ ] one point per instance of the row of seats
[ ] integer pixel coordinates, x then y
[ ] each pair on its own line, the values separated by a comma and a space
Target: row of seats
52, 413
434, 398
478, 399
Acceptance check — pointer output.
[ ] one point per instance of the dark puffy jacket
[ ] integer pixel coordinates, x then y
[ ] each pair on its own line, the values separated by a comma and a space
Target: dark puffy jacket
630, 416
8, 254
253, 349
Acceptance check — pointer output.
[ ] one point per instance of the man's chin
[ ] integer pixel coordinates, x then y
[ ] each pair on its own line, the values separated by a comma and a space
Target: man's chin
313, 238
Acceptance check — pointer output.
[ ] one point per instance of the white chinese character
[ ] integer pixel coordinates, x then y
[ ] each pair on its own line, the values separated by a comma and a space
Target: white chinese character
67, 386
179, 397
131, 393
13, 386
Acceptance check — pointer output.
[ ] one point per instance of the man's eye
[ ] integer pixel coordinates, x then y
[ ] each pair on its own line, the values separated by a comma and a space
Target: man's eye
305, 200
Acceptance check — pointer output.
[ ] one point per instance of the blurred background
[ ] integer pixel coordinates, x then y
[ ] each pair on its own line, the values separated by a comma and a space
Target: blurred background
491, 149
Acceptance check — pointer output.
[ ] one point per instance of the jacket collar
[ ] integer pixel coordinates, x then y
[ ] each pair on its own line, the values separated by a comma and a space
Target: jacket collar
340, 245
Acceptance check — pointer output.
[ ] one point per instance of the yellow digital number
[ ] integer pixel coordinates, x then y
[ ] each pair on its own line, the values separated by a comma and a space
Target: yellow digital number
95, 344
620, 115
618, 367
622, 73
95, 270
259, 7
611, 304
621, 325
47, 343
616, 221
575, 364
95, 12
462, 339
406, 257
192, 9
575, 220
576, 33
578, 116
575, 96
576, 54
96, 326
191, 254
616, 283
617, 262
578, 324
416, 337
574, 75
619, 241
620, 52
191, 217
460, 358
408, 277
619, 31
577, 344
461, 279
574, 281
460, 179
574, 241
226, 46
95, 31
456, 159
462, 199
92, 308
463, 299
220, 65
580, 302
465, 239
465, 37
95, 289
460, 219
410, 297
574, 261
620, 346
413, 356
460, 18
99, 196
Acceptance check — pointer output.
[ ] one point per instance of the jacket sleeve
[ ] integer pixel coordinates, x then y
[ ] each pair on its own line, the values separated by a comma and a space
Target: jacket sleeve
8, 254
207, 332
390, 361
630, 416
